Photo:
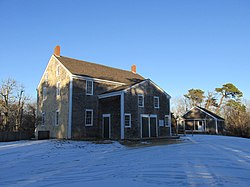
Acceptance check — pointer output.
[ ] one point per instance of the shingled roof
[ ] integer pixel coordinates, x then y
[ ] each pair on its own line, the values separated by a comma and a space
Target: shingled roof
93, 70
211, 113
193, 114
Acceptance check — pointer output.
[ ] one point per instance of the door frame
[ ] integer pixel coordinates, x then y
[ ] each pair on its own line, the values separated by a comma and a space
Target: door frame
105, 116
149, 116
153, 116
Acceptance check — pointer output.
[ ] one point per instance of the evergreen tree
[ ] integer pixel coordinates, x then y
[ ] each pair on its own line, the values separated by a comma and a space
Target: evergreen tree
195, 97
227, 91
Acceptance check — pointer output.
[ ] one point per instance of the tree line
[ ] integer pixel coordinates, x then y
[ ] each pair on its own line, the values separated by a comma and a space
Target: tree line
17, 111
226, 101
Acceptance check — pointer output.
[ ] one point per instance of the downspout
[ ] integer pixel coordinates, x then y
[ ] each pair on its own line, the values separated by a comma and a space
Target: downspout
122, 115
70, 108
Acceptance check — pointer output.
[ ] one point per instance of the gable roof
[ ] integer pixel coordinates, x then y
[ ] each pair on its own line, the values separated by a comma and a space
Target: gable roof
190, 115
211, 113
127, 87
93, 70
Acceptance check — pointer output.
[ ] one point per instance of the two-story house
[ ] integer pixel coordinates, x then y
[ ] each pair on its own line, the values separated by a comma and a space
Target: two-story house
80, 100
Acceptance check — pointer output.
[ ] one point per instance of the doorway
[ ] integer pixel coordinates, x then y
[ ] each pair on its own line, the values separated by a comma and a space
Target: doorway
149, 126
106, 126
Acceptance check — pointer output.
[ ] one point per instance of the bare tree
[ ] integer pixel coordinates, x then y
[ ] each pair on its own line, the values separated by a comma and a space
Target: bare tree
12, 103
179, 106
6, 92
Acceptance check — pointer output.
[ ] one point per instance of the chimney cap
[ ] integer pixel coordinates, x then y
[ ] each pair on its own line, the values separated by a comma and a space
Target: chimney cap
133, 68
57, 50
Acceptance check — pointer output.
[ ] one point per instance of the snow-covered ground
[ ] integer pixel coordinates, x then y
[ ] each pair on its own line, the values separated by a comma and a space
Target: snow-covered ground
200, 160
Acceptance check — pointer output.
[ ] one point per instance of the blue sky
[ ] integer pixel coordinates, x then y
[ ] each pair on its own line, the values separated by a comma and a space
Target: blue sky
179, 44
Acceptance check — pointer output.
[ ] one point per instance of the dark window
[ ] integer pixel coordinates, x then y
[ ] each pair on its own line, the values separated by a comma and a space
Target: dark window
57, 118
43, 118
156, 102
127, 119
89, 117
140, 100
166, 121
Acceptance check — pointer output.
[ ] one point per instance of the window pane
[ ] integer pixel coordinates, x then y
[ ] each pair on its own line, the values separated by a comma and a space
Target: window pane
57, 117
58, 89
156, 102
140, 100
89, 87
127, 120
44, 93
43, 118
57, 70
88, 117
166, 121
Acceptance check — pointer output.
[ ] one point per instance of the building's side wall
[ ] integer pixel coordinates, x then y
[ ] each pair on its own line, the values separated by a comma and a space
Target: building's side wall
131, 106
52, 103
81, 102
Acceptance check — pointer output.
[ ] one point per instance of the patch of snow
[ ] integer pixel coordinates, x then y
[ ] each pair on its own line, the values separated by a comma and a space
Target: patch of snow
201, 160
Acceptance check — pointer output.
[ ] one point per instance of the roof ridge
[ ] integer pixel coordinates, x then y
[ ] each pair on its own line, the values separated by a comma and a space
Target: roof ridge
212, 113
96, 64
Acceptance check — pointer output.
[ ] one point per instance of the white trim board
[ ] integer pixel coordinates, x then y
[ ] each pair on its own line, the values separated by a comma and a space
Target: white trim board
111, 94
157, 87
96, 79
70, 108
122, 115
204, 112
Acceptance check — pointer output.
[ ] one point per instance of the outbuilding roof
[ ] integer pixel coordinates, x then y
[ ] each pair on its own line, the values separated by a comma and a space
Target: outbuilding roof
194, 114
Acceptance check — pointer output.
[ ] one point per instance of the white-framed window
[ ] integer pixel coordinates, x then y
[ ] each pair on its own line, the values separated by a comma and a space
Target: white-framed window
141, 100
156, 102
46, 77
43, 118
89, 87
89, 117
57, 70
166, 121
44, 93
58, 89
127, 120
57, 118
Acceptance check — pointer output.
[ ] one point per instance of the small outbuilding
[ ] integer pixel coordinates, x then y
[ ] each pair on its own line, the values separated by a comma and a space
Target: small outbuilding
201, 120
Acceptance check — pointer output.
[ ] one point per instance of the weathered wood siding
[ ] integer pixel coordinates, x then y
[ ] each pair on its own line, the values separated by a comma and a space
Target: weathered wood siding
131, 106
53, 102
81, 102
111, 106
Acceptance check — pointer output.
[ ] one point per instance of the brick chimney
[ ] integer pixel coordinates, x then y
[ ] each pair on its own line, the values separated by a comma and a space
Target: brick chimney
133, 68
57, 51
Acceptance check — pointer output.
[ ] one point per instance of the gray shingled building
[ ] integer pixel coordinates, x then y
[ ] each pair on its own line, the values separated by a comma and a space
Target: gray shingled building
80, 100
